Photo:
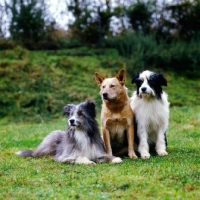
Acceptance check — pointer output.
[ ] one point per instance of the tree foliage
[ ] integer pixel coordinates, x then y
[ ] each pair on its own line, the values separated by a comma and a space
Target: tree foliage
140, 16
91, 24
185, 18
94, 20
28, 25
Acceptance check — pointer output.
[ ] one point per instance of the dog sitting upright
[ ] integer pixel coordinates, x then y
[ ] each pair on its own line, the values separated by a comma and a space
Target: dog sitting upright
117, 119
151, 109
81, 143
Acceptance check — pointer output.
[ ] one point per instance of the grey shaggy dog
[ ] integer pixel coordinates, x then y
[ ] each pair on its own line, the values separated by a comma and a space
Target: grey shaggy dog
81, 143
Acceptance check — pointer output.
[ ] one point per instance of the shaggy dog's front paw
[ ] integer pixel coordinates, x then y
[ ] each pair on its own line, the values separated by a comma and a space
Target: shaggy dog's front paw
84, 160
117, 160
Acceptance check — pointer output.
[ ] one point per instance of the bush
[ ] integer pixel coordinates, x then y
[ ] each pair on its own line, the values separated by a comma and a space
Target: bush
146, 52
6, 44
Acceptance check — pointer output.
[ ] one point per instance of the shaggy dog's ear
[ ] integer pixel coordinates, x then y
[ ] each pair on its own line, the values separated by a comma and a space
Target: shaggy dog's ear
67, 109
162, 80
91, 107
121, 76
135, 79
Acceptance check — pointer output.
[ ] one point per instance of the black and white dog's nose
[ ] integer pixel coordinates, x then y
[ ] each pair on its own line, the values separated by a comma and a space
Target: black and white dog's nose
143, 89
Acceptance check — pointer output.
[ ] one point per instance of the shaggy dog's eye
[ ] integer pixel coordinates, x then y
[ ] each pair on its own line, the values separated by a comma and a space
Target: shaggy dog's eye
103, 86
80, 114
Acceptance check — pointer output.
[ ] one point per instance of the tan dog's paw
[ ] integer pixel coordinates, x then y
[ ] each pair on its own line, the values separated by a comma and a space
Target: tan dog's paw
132, 155
117, 160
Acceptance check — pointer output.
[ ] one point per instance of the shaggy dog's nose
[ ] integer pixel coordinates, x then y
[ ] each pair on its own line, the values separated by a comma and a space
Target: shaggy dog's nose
72, 122
105, 96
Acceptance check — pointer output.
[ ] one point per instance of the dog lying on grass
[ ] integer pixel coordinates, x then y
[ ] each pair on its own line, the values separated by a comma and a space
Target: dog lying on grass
117, 119
151, 108
81, 143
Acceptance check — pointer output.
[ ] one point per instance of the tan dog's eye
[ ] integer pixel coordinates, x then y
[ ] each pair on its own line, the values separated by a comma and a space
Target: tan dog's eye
112, 86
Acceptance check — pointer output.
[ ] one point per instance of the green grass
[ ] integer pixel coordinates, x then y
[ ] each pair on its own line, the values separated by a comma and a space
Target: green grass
176, 176
53, 79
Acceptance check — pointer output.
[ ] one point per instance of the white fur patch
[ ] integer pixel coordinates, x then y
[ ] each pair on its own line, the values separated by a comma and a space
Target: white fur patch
117, 160
83, 160
87, 149
18, 153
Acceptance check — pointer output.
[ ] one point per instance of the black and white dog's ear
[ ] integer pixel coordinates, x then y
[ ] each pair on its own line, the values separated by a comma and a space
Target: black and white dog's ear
67, 109
134, 80
162, 80
91, 107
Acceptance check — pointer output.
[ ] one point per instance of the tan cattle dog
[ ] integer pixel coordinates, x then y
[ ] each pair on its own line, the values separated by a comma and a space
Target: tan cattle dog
117, 118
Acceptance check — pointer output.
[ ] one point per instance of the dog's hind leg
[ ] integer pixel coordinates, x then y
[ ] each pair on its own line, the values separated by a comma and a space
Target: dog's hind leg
46, 148
49, 144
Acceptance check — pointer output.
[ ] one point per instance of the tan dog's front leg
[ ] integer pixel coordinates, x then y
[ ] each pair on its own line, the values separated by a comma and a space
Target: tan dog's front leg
130, 137
106, 138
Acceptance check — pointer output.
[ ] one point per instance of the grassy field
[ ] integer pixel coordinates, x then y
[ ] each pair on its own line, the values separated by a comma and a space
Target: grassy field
176, 176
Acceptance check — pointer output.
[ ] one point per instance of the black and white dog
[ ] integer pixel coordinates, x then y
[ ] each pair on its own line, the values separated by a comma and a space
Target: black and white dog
81, 143
151, 108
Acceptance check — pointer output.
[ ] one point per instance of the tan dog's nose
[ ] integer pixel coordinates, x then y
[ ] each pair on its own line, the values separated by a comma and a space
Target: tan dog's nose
105, 96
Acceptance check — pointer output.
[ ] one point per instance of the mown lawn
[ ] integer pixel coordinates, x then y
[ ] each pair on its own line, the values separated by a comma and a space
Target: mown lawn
176, 176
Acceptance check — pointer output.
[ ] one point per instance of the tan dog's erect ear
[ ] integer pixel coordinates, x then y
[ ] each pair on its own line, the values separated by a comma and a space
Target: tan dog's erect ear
121, 76
99, 79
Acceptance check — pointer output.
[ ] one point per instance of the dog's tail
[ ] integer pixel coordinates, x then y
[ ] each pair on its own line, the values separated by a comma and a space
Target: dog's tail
25, 153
